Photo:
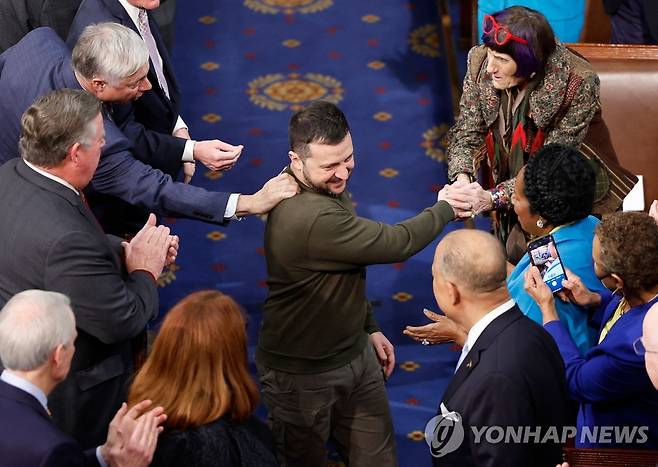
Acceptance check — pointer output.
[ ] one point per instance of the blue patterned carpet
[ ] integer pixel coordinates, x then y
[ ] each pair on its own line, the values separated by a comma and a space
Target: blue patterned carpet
244, 68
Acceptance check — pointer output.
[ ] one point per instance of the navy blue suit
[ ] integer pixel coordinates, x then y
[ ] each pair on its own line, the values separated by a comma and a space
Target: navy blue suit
28, 437
513, 376
40, 63
148, 121
610, 381
154, 110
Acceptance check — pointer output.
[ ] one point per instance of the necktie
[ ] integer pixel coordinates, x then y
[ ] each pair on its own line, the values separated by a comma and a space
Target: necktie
145, 31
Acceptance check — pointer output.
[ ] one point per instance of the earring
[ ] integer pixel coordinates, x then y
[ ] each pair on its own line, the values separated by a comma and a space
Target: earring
540, 223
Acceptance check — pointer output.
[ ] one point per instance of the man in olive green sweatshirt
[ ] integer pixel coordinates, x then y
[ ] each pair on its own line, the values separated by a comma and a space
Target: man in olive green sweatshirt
320, 377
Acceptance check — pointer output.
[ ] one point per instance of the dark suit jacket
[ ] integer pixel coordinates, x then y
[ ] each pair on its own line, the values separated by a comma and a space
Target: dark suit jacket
45, 59
154, 110
28, 437
54, 243
18, 17
513, 376
649, 10
148, 121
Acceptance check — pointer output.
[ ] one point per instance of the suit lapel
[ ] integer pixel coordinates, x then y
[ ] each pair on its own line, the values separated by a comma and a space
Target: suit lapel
472, 359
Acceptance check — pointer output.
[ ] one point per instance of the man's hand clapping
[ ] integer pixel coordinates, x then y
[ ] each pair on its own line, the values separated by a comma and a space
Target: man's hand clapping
150, 249
132, 435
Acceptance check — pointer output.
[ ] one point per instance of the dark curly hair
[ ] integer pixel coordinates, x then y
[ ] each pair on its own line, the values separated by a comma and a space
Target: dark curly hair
559, 184
629, 248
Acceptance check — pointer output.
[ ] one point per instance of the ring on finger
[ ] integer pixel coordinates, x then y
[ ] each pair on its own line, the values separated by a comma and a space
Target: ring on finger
425, 342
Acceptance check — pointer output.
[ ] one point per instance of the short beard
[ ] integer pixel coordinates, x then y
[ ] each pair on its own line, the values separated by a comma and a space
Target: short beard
321, 190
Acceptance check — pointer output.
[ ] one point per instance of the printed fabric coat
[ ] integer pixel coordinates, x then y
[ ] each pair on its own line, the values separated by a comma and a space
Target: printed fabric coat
478, 108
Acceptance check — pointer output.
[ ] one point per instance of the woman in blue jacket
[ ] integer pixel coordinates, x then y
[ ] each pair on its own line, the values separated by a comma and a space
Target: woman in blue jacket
610, 380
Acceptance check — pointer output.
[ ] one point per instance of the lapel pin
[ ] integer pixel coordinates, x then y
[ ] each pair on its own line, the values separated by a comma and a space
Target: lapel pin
469, 364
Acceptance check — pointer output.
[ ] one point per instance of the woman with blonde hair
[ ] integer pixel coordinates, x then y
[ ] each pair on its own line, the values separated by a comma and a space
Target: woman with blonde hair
197, 370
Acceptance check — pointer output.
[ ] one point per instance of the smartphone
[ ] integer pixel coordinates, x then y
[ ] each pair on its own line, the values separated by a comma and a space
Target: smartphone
543, 254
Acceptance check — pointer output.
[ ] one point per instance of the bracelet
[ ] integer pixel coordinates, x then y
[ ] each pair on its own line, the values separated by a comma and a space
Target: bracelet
499, 198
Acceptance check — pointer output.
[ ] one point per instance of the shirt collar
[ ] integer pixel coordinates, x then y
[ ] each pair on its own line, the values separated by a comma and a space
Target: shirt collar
26, 386
479, 327
132, 11
61, 181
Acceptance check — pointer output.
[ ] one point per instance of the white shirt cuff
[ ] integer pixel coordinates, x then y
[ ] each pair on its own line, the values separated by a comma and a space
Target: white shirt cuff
232, 206
99, 456
180, 124
188, 152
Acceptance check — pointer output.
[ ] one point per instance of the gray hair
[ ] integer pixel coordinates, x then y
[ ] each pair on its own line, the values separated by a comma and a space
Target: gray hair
55, 122
474, 259
32, 324
109, 51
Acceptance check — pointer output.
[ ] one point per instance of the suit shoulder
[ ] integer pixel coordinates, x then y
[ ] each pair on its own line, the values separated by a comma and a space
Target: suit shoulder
27, 438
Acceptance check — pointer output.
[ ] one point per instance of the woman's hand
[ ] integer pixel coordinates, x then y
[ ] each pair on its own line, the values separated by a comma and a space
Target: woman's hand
574, 291
473, 198
443, 329
540, 293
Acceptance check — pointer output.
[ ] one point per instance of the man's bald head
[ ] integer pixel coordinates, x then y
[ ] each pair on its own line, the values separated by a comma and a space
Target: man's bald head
650, 341
471, 259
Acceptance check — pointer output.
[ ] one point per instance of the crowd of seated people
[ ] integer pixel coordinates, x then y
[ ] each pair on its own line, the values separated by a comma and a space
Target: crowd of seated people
76, 299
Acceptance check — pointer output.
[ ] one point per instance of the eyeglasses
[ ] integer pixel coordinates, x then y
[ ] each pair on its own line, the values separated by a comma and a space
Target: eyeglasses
501, 33
639, 348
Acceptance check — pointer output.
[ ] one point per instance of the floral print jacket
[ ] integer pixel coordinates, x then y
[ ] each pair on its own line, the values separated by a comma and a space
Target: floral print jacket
478, 108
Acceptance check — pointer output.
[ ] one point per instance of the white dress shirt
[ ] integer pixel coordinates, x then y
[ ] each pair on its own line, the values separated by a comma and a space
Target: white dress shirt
479, 327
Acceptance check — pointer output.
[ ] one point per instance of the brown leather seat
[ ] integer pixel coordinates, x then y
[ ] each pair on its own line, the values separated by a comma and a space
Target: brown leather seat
629, 99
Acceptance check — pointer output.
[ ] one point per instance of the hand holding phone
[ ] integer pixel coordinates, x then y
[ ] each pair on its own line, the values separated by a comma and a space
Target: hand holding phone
544, 254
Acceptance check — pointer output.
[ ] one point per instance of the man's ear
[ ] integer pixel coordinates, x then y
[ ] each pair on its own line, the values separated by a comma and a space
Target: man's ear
295, 160
98, 86
58, 361
72, 153
453, 293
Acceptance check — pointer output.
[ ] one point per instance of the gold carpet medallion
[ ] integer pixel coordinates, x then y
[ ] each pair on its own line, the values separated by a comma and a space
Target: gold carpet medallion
435, 142
425, 41
294, 90
288, 7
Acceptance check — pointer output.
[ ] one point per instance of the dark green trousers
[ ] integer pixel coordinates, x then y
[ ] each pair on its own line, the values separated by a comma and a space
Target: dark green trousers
348, 406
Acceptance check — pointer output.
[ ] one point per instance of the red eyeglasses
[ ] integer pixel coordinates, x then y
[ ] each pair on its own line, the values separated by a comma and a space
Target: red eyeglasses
501, 33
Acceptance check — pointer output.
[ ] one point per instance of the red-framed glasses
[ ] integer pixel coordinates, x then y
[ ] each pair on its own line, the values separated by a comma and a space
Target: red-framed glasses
501, 33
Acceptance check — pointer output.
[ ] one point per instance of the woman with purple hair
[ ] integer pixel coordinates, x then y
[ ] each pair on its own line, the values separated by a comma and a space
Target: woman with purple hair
522, 90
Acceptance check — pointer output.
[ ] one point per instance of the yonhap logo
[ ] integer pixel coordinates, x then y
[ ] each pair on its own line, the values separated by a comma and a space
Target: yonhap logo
444, 433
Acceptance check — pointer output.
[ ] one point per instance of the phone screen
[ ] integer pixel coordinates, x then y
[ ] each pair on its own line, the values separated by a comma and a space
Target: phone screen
543, 254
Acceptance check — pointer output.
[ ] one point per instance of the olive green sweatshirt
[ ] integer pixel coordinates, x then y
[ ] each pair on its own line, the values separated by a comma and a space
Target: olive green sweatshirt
316, 314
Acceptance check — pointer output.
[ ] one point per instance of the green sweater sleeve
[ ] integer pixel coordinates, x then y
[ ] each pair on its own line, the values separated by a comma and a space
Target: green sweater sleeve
342, 240
371, 324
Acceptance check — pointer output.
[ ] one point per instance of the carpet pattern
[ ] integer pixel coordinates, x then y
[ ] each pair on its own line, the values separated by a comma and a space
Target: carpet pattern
245, 67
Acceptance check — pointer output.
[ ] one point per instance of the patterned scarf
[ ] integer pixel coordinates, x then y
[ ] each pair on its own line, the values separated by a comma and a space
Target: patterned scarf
508, 152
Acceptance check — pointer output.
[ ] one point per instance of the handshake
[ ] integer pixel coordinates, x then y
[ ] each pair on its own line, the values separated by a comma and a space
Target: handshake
466, 198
